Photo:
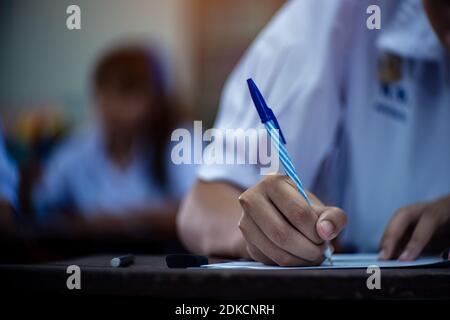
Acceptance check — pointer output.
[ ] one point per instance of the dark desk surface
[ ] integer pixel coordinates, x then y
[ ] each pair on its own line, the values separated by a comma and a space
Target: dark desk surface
149, 276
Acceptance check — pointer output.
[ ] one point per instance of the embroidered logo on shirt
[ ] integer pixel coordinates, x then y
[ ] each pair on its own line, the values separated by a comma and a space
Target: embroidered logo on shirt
392, 96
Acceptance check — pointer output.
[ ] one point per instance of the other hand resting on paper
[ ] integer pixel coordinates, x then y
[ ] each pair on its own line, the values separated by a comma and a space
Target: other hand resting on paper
415, 228
281, 228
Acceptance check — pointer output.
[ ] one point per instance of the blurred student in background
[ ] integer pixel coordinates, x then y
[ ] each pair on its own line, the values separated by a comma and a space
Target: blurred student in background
8, 192
116, 178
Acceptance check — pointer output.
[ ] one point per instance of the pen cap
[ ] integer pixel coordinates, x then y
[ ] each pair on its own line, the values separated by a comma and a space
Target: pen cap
258, 100
265, 113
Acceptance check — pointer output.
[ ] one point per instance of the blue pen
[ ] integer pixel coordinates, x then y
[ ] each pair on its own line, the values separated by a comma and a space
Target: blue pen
273, 128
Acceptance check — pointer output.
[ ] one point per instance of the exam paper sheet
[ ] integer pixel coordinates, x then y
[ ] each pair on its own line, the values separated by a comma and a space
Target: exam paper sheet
340, 261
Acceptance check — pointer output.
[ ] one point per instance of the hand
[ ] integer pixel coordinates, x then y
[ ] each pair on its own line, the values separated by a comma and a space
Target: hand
430, 223
279, 226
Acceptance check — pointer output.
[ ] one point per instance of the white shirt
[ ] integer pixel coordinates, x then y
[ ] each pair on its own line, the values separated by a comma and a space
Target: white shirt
369, 148
80, 175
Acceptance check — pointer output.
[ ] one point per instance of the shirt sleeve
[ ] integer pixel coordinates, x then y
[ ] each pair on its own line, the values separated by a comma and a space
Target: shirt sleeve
51, 192
298, 63
181, 176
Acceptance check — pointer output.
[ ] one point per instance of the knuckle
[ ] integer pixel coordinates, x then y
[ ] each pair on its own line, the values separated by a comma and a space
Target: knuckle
270, 183
270, 179
286, 179
401, 212
432, 220
245, 199
296, 212
340, 213
273, 182
279, 236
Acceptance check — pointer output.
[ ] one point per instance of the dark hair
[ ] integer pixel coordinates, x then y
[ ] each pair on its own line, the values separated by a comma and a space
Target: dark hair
137, 69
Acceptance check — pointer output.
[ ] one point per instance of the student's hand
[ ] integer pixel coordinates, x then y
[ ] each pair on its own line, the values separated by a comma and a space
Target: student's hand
279, 226
430, 225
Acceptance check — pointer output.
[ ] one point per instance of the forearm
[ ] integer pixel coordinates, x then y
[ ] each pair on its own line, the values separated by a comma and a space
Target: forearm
154, 225
208, 220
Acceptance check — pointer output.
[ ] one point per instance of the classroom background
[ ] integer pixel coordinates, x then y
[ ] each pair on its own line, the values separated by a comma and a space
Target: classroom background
45, 80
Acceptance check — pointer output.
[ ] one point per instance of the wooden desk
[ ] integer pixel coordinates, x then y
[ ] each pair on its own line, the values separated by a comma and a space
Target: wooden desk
150, 277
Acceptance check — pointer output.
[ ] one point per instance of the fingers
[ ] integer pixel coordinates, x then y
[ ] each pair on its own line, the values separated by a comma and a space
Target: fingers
396, 228
257, 255
293, 206
274, 226
280, 227
330, 223
262, 249
422, 234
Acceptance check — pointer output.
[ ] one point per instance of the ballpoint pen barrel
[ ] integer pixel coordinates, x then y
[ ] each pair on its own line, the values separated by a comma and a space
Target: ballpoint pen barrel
290, 172
276, 135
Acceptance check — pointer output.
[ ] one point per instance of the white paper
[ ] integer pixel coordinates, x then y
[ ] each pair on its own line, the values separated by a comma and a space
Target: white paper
340, 261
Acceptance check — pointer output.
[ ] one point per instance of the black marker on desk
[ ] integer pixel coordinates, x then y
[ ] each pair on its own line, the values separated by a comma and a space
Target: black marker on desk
122, 261
185, 261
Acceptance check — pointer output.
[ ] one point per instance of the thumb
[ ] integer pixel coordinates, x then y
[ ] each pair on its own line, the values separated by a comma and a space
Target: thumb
331, 222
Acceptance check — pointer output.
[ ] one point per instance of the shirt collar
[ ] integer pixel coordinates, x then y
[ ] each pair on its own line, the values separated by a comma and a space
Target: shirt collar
408, 33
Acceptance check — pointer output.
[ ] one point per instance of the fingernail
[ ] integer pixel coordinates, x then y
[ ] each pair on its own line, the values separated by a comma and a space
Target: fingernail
327, 228
405, 256
383, 254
